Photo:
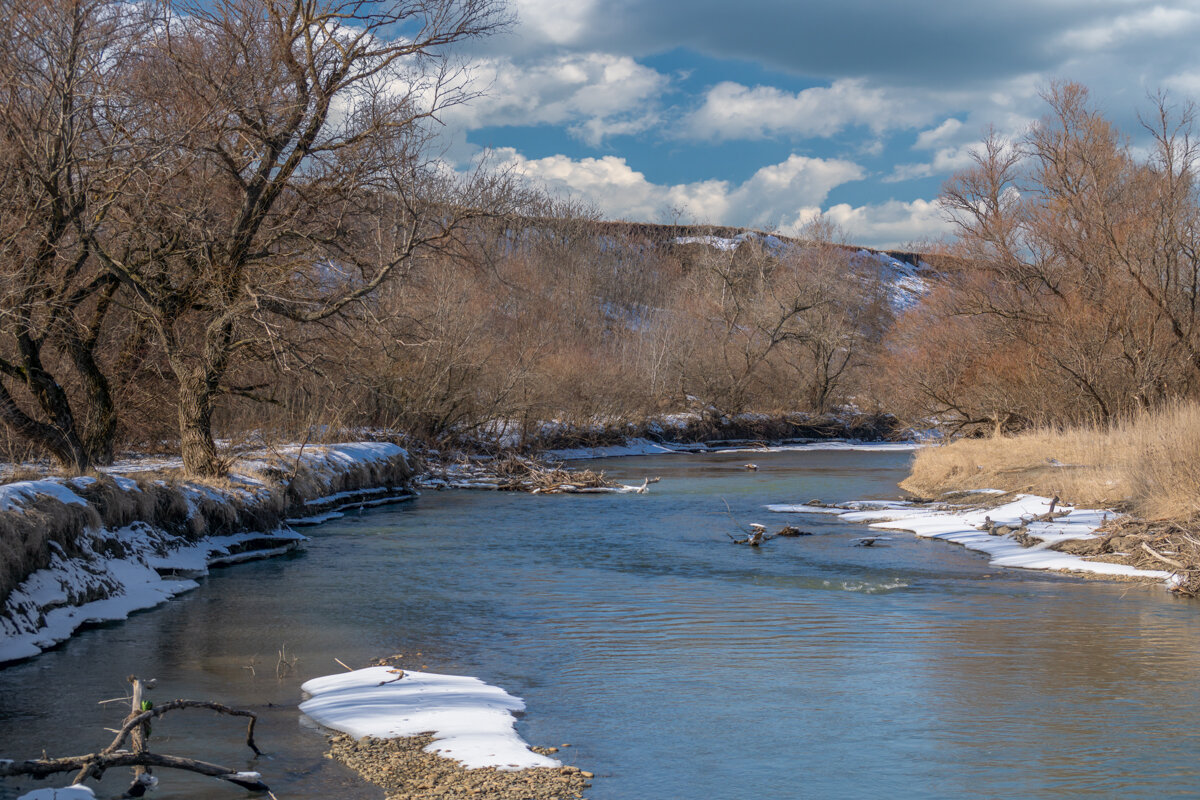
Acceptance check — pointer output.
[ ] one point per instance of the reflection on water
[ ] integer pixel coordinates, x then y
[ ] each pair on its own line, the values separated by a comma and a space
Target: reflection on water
675, 664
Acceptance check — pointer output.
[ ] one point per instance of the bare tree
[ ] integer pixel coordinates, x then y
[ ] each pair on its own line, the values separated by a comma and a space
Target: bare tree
295, 182
62, 153
1074, 261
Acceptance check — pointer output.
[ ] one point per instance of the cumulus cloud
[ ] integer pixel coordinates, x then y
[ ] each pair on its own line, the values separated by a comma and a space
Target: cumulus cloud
783, 195
945, 161
595, 95
892, 224
733, 111
929, 139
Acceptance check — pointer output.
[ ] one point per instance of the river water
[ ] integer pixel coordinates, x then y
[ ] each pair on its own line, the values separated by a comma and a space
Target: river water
675, 664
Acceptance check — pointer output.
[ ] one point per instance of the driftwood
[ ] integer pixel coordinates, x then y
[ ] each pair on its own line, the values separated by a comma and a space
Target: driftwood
97, 763
514, 473
755, 536
1170, 561
136, 730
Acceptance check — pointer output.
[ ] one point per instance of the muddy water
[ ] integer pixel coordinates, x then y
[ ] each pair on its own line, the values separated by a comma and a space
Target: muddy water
675, 664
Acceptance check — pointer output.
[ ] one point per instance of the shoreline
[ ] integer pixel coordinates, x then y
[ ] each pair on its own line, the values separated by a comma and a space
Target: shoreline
1021, 531
123, 543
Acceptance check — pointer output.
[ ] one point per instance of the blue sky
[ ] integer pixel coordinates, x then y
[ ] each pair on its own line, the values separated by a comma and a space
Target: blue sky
769, 113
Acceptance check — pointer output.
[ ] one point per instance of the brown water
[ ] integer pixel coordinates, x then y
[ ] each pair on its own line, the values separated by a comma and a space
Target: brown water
677, 665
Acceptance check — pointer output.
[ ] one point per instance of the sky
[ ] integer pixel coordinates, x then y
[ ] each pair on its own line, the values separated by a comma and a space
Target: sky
767, 113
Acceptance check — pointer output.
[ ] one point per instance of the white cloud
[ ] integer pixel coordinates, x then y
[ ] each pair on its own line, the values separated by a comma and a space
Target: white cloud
891, 224
945, 161
553, 20
783, 196
930, 139
733, 111
595, 95
1155, 22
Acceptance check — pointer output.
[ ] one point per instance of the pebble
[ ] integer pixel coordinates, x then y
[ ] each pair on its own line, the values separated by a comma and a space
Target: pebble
407, 772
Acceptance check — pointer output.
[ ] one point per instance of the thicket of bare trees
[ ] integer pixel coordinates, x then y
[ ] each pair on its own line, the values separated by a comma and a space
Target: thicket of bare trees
556, 317
1070, 293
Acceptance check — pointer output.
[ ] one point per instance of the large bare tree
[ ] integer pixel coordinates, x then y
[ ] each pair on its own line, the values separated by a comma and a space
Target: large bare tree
294, 179
62, 154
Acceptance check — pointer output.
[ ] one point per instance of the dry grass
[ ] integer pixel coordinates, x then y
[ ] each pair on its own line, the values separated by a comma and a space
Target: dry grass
1149, 464
28, 538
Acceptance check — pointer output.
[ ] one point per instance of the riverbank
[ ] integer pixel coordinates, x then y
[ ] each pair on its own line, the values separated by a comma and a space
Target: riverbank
404, 769
1143, 469
689, 431
92, 549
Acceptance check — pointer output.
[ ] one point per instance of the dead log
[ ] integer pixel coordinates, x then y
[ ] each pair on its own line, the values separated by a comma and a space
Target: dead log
140, 719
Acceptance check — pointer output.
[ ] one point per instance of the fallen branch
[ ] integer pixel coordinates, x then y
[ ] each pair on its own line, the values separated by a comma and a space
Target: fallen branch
158, 711
96, 763
136, 729
1172, 562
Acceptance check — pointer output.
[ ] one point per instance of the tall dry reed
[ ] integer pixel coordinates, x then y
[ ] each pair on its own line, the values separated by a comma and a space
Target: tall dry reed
1148, 464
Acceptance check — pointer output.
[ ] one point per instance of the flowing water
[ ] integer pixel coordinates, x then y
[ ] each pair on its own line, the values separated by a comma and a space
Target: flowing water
675, 664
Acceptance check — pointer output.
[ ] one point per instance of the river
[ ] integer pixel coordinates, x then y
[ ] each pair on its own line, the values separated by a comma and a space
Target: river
675, 664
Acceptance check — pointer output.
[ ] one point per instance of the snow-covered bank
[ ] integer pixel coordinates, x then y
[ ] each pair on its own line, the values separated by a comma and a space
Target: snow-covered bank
116, 545
471, 721
969, 527
645, 447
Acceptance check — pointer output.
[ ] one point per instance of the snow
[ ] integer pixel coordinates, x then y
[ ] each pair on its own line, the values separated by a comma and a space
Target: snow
245, 776
732, 243
471, 721
120, 571
963, 526
15, 495
66, 793
333, 498
855, 505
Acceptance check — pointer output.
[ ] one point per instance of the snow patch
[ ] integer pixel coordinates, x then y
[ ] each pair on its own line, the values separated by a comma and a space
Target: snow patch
963, 527
65, 793
50, 604
471, 721
14, 495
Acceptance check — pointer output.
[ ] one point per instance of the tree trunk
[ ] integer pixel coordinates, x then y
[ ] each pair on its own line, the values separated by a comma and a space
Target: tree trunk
61, 442
196, 443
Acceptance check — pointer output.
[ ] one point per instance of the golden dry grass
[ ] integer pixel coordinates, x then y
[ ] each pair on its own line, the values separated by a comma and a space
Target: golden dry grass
1149, 464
